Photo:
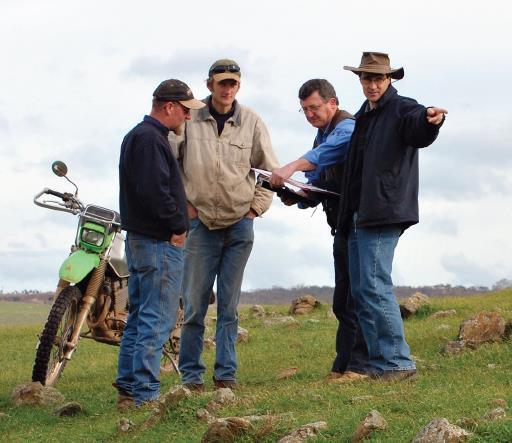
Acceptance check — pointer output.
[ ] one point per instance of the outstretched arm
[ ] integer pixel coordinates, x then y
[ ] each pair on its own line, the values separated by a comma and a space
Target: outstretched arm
280, 174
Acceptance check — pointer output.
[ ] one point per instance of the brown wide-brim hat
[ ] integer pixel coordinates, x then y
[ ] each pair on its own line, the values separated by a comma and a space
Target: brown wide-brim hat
376, 63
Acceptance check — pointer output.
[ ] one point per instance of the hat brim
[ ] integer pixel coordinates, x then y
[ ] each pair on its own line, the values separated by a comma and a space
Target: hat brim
192, 104
226, 76
396, 74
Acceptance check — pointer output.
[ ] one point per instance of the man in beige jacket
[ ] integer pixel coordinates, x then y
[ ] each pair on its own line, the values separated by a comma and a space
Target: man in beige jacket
218, 148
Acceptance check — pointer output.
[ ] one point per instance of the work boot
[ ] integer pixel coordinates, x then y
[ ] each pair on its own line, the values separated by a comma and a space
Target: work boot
404, 375
231, 384
347, 377
194, 387
124, 399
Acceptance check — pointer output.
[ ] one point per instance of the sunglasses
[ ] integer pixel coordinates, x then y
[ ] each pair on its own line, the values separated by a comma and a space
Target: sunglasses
224, 68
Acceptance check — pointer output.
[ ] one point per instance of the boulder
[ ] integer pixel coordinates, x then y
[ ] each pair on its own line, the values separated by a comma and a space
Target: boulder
303, 305
411, 305
454, 347
440, 430
225, 430
303, 433
287, 373
223, 396
125, 424
69, 409
257, 311
372, 422
484, 327
34, 393
243, 335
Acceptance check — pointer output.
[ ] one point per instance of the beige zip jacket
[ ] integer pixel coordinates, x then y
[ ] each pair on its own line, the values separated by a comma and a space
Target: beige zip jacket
216, 170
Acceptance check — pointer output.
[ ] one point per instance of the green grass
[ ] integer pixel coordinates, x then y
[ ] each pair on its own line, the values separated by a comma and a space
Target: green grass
13, 313
450, 387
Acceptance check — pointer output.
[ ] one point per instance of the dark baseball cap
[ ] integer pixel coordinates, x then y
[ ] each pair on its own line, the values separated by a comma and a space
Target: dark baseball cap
173, 90
224, 69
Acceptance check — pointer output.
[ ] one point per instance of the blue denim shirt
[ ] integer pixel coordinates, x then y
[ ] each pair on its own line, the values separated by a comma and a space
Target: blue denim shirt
332, 149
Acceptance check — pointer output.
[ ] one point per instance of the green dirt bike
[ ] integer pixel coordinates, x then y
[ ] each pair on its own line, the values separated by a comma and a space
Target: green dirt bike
92, 288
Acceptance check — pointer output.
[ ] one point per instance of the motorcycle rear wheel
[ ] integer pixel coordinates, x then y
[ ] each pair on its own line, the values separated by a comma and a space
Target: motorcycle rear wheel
50, 361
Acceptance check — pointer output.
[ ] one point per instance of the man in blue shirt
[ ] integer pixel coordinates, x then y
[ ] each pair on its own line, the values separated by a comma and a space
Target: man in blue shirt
323, 167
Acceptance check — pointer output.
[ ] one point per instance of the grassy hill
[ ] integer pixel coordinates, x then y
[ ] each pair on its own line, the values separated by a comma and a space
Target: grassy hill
452, 387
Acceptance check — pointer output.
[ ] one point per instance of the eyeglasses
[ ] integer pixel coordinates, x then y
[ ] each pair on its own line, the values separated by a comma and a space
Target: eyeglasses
369, 79
224, 68
186, 110
312, 108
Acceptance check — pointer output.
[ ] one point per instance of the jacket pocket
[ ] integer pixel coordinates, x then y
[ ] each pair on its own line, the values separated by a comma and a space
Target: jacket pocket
240, 151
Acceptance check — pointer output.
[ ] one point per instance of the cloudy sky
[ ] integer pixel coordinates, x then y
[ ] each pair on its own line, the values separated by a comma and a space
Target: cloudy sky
78, 75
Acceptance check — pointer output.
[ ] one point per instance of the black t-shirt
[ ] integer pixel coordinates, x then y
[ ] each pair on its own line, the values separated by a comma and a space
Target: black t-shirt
220, 118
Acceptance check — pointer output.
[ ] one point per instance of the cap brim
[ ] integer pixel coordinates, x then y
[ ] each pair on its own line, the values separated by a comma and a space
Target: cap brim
393, 73
192, 104
226, 76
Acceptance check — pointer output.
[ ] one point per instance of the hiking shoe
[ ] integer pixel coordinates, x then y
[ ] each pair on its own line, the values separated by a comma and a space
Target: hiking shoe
404, 375
346, 377
231, 384
194, 387
124, 402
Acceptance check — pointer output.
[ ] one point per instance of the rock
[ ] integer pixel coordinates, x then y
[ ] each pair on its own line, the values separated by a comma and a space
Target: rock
411, 305
243, 335
257, 311
69, 409
225, 430
495, 414
281, 321
209, 343
301, 434
204, 415
213, 406
454, 347
484, 327
492, 366
372, 422
499, 402
467, 422
440, 430
303, 305
443, 314
287, 373
125, 424
170, 399
34, 393
223, 396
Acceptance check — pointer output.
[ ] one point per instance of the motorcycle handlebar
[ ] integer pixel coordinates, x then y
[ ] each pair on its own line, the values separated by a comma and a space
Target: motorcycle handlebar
71, 203
55, 193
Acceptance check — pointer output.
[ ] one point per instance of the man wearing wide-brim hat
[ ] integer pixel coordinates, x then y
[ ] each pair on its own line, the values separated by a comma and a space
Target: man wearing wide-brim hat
379, 202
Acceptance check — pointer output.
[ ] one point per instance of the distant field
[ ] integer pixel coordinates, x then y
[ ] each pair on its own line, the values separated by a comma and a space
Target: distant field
15, 313
460, 387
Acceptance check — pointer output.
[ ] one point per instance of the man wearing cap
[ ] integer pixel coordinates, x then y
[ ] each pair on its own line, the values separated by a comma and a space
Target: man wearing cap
153, 210
219, 146
323, 167
379, 202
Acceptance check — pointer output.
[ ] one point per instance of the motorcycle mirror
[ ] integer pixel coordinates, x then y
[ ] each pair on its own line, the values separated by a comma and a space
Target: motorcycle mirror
59, 168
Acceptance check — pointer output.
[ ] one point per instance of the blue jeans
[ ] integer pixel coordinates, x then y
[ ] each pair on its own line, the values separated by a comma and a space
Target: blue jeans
154, 285
371, 253
210, 254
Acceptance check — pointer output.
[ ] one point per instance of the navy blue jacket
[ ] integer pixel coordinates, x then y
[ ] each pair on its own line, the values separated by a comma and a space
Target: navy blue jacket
389, 136
151, 195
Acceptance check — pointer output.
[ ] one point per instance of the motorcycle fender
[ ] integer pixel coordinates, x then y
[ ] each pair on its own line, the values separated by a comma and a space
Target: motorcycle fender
78, 265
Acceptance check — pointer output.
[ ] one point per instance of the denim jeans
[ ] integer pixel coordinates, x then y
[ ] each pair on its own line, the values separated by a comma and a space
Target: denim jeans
371, 252
210, 254
351, 352
154, 285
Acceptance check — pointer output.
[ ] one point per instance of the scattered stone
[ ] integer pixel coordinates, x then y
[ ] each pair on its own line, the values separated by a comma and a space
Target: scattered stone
493, 366
171, 398
372, 422
34, 393
287, 373
454, 347
223, 396
125, 424
443, 314
209, 343
442, 327
466, 422
204, 415
303, 433
495, 414
441, 430
243, 335
303, 305
484, 327
225, 430
213, 406
69, 409
411, 305
499, 402
281, 321
362, 398
257, 311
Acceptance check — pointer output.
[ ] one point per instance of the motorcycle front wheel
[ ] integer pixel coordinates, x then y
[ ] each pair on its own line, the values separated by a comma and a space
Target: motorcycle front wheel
61, 322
